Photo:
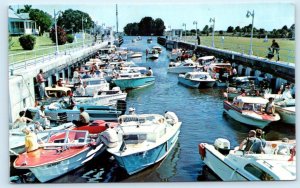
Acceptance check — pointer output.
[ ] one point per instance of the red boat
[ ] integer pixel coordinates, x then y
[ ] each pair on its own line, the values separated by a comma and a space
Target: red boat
96, 127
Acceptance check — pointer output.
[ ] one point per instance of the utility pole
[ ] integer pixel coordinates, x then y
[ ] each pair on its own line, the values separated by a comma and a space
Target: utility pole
117, 21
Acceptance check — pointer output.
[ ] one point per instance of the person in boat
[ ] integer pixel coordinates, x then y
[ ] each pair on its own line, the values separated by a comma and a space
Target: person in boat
243, 93
259, 134
150, 72
251, 144
31, 143
131, 111
80, 90
22, 120
76, 75
42, 118
70, 100
270, 107
84, 118
59, 83
87, 75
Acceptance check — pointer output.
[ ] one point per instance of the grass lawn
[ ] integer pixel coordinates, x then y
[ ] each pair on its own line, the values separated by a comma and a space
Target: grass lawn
43, 46
242, 44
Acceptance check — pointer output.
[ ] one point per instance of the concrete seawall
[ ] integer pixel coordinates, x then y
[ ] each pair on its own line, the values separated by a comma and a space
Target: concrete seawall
282, 70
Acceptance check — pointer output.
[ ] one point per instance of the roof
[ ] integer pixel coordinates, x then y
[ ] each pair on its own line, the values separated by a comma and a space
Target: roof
206, 58
22, 16
252, 100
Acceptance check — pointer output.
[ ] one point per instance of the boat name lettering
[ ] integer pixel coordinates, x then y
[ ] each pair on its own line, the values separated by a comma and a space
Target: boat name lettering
53, 164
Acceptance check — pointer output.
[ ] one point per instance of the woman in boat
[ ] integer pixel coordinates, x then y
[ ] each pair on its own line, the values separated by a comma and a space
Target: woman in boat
22, 120
42, 118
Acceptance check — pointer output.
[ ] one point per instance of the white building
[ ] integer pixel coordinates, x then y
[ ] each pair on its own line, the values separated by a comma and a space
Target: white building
20, 24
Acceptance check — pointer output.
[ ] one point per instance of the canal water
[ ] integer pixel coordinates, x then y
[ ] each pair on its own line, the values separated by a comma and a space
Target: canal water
201, 114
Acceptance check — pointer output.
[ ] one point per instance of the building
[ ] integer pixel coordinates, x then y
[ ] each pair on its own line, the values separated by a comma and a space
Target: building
20, 24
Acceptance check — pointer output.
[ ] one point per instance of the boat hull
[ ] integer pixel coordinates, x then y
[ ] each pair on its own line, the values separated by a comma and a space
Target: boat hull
101, 99
138, 161
188, 82
133, 83
287, 116
180, 70
54, 170
240, 117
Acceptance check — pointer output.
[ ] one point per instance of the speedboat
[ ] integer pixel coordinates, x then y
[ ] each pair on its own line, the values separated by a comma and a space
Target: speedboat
184, 67
107, 113
142, 140
221, 72
17, 137
153, 54
136, 55
206, 60
287, 111
149, 40
157, 48
132, 80
93, 85
196, 79
249, 110
277, 163
108, 97
62, 152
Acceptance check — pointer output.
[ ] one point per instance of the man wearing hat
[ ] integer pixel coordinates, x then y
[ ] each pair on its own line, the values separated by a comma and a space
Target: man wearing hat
251, 143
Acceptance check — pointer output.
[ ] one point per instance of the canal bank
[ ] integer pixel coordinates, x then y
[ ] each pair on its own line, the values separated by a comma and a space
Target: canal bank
22, 84
276, 71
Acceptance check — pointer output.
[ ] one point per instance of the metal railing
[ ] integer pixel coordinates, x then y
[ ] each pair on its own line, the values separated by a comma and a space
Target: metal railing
27, 58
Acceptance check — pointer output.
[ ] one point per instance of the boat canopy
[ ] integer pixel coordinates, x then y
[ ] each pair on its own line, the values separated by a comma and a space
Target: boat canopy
205, 58
252, 100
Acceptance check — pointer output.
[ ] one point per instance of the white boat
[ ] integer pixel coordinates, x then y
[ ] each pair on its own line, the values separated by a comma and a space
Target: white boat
220, 72
158, 48
132, 80
234, 165
175, 54
184, 67
17, 137
249, 110
95, 84
63, 152
108, 97
142, 140
206, 60
136, 55
153, 54
287, 111
196, 79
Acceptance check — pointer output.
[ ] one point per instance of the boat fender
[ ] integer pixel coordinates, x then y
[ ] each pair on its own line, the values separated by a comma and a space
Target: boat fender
201, 150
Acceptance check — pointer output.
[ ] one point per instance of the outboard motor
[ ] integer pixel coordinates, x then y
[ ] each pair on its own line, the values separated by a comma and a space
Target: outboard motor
109, 137
222, 145
122, 106
171, 117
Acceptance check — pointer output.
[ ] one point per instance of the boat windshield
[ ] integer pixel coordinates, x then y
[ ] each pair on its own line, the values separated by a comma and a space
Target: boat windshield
258, 172
134, 138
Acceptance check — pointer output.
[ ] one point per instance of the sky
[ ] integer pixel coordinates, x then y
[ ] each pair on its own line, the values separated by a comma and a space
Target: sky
266, 15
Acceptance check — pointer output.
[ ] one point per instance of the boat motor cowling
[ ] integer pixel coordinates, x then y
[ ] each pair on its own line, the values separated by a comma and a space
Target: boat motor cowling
121, 106
171, 117
222, 145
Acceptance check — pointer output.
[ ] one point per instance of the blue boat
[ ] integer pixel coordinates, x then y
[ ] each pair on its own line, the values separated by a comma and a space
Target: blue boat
196, 79
133, 80
142, 140
57, 109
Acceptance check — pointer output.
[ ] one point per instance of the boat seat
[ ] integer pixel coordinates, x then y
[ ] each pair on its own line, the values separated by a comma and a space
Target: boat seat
62, 118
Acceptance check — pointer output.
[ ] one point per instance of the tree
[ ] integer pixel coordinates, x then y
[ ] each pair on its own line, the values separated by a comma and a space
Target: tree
42, 19
71, 20
237, 29
146, 26
61, 35
159, 26
205, 29
221, 32
230, 29
26, 9
131, 29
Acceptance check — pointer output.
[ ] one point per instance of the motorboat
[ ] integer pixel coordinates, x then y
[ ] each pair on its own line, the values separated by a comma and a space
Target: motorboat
136, 55
277, 163
132, 80
149, 40
157, 48
287, 111
206, 60
103, 97
95, 84
250, 110
196, 79
96, 127
175, 54
220, 72
183, 67
142, 140
153, 54
62, 152
17, 137
57, 109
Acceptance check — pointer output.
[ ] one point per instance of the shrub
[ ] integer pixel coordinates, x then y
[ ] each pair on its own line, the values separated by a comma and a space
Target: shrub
61, 35
27, 42
70, 38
